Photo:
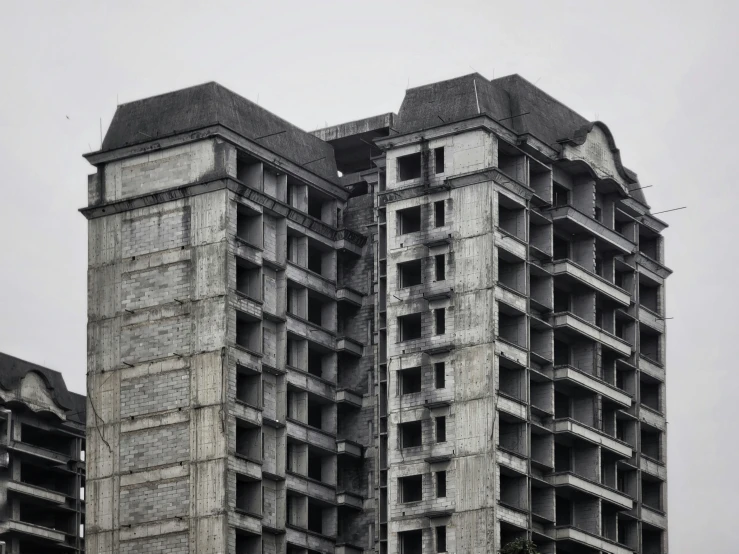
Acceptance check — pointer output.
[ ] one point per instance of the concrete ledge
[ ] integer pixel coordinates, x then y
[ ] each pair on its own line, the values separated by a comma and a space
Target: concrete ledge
594, 384
35, 531
653, 517
349, 448
512, 407
569, 268
310, 487
511, 461
513, 517
651, 368
578, 221
589, 487
592, 435
350, 500
36, 492
590, 331
165, 527
510, 244
653, 468
593, 541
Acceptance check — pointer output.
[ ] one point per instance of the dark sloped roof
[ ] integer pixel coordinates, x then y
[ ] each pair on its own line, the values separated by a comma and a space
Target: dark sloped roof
504, 98
211, 104
13, 370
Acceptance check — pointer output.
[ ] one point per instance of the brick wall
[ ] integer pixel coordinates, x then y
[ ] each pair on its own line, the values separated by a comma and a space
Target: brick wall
154, 447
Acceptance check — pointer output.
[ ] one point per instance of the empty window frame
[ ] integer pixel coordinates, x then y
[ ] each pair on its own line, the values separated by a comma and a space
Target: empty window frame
411, 434
440, 484
440, 318
248, 332
441, 429
439, 220
248, 386
410, 380
440, 267
411, 488
409, 167
410, 274
439, 160
248, 279
411, 542
440, 375
409, 327
441, 538
409, 220
561, 195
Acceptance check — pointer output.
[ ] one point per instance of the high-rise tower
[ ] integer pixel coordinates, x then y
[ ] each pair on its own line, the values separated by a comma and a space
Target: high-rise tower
436, 331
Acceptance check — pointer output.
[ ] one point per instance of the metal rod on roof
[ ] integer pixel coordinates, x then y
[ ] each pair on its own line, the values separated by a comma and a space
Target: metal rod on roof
442, 119
310, 162
270, 135
474, 84
639, 188
672, 210
517, 115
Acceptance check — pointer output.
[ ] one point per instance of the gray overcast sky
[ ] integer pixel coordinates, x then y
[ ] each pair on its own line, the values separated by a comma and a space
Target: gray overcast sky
661, 75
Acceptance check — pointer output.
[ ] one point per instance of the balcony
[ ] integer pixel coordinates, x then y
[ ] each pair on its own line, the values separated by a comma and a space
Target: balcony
570, 270
575, 221
350, 296
310, 487
591, 435
349, 448
349, 346
35, 531
572, 323
36, 493
350, 500
653, 517
589, 487
310, 540
349, 397
579, 378
582, 538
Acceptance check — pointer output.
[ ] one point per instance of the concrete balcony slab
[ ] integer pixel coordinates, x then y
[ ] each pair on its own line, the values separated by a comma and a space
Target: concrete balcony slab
350, 500
310, 487
511, 461
349, 448
311, 383
312, 541
13, 526
589, 487
593, 436
653, 467
577, 222
512, 298
572, 323
349, 397
582, 379
510, 244
655, 321
316, 437
516, 408
595, 542
251, 523
651, 368
512, 516
247, 413
512, 352
653, 517
36, 492
38, 452
568, 269
349, 346
350, 296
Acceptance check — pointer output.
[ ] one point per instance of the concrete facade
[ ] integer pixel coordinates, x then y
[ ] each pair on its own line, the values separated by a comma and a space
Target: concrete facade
42, 460
437, 331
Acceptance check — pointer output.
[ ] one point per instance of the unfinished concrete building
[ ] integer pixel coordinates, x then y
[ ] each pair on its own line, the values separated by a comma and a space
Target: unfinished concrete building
436, 331
42, 461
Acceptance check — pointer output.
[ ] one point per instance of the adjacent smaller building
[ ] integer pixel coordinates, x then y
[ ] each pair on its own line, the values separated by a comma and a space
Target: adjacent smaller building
42, 460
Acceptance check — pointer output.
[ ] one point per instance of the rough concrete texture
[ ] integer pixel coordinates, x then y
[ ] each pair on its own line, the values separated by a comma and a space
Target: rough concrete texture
460, 347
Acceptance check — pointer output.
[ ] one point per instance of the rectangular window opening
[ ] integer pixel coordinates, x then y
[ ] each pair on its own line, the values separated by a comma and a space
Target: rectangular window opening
440, 375
440, 484
440, 315
409, 220
439, 160
411, 488
439, 214
409, 167
410, 380
410, 327
440, 265
410, 274
441, 429
411, 434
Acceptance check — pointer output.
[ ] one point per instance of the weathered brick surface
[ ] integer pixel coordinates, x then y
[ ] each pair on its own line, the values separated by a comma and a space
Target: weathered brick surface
162, 500
152, 287
161, 544
162, 230
154, 447
155, 393
148, 341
